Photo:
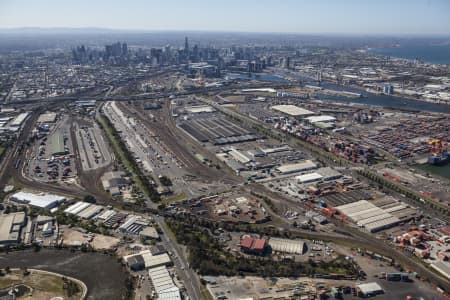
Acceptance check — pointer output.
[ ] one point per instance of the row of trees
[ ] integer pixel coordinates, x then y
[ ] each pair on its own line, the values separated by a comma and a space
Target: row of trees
145, 181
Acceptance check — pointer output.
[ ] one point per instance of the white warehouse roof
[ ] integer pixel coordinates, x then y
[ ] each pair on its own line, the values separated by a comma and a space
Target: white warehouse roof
288, 246
367, 215
293, 110
152, 261
370, 288
163, 284
315, 119
308, 177
297, 167
45, 201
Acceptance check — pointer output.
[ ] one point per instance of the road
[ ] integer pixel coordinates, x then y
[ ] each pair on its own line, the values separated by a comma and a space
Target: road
186, 274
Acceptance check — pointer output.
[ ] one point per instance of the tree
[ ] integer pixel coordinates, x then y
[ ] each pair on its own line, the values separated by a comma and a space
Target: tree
89, 199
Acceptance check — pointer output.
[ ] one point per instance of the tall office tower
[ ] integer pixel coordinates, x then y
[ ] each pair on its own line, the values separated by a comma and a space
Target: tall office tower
124, 49
186, 46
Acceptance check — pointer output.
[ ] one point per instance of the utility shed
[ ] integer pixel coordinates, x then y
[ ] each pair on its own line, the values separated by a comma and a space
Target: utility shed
287, 246
370, 289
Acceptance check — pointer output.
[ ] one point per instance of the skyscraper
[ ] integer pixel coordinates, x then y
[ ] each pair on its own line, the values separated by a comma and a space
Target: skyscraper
186, 46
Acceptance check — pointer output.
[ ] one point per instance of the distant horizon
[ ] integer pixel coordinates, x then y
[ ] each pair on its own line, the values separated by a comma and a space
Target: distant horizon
312, 17
136, 30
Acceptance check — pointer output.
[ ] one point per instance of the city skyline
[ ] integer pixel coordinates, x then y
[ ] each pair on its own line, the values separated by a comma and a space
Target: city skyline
303, 17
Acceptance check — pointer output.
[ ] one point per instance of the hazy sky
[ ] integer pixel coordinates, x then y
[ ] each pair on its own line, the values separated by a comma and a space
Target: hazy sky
430, 17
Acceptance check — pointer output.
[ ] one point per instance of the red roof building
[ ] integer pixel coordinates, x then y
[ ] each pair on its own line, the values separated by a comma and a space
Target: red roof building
247, 242
252, 245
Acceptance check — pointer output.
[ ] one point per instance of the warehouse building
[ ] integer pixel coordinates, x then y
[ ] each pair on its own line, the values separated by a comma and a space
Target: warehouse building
321, 119
310, 177
163, 284
145, 259
41, 201
293, 111
196, 109
367, 215
113, 182
287, 246
11, 226
57, 145
297, 167
49, 117
240, 156
84, 210
328, 173
149, 233
19, 119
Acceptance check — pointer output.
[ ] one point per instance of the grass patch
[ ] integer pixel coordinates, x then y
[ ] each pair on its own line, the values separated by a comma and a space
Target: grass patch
206, 295
39, 282
174, 198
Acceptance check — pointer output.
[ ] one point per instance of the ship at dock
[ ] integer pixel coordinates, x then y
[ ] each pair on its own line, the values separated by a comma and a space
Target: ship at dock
439, 154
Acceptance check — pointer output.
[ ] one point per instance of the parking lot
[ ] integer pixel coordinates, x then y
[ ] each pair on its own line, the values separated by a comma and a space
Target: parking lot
51, 159
92, 146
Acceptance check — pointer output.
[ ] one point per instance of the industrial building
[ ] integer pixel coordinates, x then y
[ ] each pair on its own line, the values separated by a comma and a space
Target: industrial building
368, 216
307, 178
196, 109
163, 284
145, 259
134, 224
84, 210
149, 232
19, 119
57, 144
41, 201
216, 130
293, 110
240, 156
11, 227
49, 117
297, 167
287, 246
321, 119
328, 173
114, 181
